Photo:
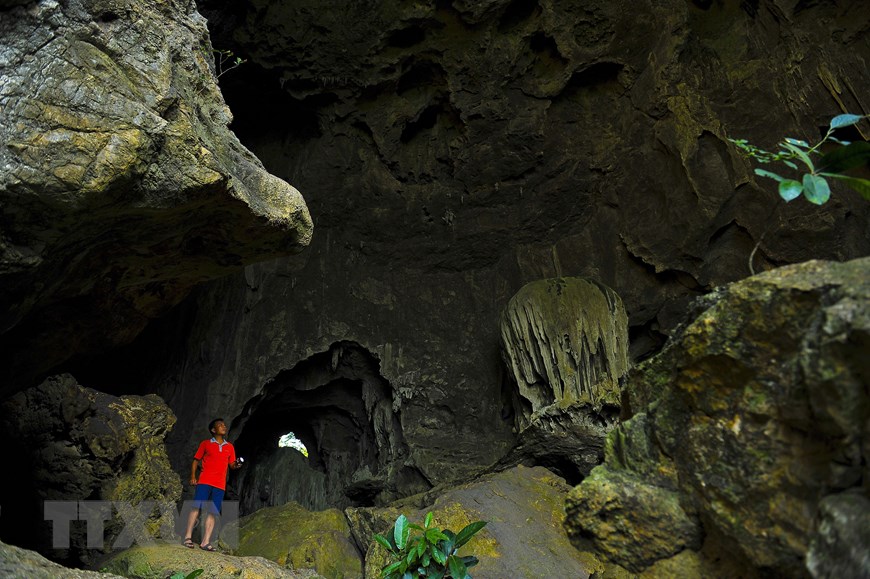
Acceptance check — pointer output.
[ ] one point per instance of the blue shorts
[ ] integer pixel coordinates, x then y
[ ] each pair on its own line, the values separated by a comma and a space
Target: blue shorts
208, 494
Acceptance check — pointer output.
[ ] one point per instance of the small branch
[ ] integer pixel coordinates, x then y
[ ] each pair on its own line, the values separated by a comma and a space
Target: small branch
770, 223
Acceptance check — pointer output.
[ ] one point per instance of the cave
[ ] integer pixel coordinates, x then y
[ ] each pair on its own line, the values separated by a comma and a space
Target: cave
340, 407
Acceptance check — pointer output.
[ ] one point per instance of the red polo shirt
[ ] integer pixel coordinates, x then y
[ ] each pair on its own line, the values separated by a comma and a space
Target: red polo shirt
216, 458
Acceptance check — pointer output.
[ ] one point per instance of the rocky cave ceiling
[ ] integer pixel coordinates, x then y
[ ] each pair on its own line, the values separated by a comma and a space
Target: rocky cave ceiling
449, 152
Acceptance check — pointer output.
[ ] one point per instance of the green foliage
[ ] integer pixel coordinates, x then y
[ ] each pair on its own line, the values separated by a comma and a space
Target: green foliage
429, 552
813, 183
225, 61
191, 575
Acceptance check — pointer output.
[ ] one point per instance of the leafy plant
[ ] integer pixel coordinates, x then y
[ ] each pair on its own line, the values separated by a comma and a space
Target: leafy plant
430, 552
813, 183
191, 575
225, 61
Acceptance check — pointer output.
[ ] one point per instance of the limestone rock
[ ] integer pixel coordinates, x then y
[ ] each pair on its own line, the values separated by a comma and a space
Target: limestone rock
298, 538
74, 443
121, 185
454, 151
524, 536
758, 413
161, 560
17, 563
565, 342
839, 547
631, 522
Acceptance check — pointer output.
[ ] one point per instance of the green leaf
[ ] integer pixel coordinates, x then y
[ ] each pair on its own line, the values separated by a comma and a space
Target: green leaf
839, 142
844, 158
407, 575
789, 164
195, 573
391, 568
816, 189
469, 531
426, 559
434, 535
862, 186
401, 531
457, 567
846, 120
470, 560
797, 142
790, 189
439, 555
428, 522
765, 173
800, 155
381, 540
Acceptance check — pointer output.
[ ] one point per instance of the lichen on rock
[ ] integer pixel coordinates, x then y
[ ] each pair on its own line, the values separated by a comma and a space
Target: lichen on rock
755, 424
75, 444
297, 538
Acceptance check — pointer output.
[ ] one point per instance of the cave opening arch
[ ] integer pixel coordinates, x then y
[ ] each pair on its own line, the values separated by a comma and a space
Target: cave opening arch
341, 408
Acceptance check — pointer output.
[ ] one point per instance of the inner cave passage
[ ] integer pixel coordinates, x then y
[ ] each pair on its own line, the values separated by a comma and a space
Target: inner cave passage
340, 408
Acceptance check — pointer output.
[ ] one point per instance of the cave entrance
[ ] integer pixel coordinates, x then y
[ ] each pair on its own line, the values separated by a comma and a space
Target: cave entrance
289, 440
340, 409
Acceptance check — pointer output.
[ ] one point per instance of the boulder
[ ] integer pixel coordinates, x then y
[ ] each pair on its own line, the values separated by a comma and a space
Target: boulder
160, 561
839, 548
524, 536
17, 563
122, 186
295, 537
75, 443
754, 423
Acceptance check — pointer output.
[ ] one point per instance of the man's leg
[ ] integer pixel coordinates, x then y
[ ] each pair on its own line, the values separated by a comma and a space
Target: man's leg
214, 509
191, 521
200, 496
209, 528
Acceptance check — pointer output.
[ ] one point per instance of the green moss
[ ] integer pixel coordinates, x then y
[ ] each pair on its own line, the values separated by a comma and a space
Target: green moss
293, 536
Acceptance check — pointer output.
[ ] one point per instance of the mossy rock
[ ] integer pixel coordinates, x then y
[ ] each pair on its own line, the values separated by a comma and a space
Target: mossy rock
161, 560
295, 537
524, 535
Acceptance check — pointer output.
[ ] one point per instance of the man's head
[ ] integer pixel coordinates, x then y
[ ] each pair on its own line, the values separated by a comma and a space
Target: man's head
215, 424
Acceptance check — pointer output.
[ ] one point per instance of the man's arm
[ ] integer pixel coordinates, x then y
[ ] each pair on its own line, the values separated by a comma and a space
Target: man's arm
194, 465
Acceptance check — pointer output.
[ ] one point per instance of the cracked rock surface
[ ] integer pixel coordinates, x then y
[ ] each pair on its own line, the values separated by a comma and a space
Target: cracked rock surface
121, 186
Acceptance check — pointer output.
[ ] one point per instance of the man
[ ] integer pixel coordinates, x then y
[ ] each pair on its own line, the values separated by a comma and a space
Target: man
214, 455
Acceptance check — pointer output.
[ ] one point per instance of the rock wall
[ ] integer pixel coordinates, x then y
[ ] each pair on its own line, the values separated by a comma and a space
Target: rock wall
451, 153
749, 435
121, 187
74, 444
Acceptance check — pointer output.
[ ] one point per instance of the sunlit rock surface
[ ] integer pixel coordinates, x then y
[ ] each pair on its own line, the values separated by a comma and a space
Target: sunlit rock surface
162, 560
121, 186
524, 536
295, 537
753, 423
17, 563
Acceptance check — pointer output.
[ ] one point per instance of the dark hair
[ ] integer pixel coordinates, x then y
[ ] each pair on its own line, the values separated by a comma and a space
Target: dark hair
213, 422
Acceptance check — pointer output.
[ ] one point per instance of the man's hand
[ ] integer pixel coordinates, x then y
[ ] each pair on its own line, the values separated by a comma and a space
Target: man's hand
193, 481
235, 464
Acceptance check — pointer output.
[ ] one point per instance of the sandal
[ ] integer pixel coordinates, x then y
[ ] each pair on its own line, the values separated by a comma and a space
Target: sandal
208, 547
188, 542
